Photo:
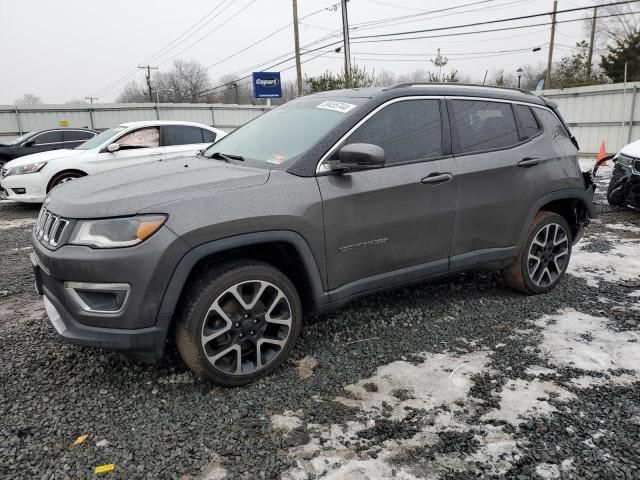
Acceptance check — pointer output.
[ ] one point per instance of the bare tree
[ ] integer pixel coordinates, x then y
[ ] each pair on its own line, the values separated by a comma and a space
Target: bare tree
28, 99
185, 82
624, 25
132, 93
385, 78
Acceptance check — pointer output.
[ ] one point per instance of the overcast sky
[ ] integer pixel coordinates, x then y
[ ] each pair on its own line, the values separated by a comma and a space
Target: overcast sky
73, 48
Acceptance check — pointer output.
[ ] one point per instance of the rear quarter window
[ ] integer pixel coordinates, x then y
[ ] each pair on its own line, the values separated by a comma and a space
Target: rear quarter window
529, 126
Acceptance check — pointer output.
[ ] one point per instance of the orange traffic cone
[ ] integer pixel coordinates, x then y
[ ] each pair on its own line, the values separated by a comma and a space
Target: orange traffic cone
601, 154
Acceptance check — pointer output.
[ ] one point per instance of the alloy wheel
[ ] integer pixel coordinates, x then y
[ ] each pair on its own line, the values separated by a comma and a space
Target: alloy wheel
246, 327
548, 255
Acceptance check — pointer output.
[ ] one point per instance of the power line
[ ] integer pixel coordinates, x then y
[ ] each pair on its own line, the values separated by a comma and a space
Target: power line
384, 24
502, 29
210, 32
429, 12
489, 22
130, 73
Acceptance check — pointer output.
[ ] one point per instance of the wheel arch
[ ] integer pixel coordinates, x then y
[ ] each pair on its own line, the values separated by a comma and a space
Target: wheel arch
574, 205
66, 170
285, 250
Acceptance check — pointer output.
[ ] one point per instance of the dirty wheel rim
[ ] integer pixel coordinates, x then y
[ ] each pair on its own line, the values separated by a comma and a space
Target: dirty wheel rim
64, 180
548, 255
246, 327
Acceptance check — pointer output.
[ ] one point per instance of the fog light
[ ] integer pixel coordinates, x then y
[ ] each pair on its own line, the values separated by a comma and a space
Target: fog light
19, 191
98, 297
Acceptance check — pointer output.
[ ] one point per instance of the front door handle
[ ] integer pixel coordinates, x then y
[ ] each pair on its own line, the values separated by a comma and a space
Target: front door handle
436, 178
528, 162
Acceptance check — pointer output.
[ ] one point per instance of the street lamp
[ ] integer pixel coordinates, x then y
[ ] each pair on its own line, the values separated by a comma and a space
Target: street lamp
519, 72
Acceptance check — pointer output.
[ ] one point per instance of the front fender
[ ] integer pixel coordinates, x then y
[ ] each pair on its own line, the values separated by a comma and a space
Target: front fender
191, 258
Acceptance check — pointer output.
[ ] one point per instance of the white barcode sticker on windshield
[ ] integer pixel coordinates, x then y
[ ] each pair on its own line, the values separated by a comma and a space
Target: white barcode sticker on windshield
337, 106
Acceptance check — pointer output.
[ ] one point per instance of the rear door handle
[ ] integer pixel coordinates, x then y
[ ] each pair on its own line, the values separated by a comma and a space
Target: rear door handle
435, 178
528, 162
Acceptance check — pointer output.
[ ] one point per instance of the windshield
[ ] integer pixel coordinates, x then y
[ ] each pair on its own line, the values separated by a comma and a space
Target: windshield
21, 139
287, 131
100, 138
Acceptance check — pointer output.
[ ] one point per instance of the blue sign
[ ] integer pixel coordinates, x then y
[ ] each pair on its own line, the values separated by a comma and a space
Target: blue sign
267, 85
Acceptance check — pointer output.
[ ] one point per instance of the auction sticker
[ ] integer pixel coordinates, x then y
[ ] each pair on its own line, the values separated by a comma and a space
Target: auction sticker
337, 106
277, 158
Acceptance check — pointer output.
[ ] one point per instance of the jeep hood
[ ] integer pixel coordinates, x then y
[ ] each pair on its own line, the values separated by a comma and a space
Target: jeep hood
44, 157
128, 191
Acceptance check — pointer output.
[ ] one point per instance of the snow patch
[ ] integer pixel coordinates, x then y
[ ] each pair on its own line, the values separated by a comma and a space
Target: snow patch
521, 400
623, 226
537, 370
287, 422
305, 366
440, 380
620, 263
580, 340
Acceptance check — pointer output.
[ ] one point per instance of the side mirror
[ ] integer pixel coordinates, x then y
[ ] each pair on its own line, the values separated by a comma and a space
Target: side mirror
30, 143
358, 156
114, 147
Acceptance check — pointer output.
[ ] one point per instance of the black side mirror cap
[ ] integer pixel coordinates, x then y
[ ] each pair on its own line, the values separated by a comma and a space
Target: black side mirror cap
358, 156
29, 143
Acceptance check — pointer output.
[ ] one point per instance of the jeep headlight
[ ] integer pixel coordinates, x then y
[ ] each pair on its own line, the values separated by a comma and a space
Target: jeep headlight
24, 169
116, 232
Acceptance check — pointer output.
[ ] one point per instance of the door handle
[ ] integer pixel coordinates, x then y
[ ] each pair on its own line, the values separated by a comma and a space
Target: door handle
528, 162
436, 178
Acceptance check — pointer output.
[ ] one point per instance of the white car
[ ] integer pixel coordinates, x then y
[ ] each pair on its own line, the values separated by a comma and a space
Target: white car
30, 178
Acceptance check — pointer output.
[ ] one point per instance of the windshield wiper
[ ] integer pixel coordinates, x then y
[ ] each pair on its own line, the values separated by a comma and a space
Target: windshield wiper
227, 157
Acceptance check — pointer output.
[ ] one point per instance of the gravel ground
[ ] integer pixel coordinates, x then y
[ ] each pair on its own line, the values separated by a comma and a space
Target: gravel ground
461, 378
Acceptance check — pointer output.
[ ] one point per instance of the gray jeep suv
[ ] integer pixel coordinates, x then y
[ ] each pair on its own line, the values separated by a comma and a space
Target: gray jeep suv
321, 200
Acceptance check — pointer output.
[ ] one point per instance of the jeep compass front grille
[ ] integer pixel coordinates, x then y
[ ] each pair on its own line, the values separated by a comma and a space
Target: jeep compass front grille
49, 228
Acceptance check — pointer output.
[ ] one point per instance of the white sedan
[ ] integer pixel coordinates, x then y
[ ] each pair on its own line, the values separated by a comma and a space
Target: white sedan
30, 178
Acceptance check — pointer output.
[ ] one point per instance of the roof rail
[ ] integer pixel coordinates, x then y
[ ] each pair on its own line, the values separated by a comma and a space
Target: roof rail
454, 84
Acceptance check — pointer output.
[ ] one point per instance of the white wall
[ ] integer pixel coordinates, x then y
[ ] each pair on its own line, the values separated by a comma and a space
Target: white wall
600, 113
22, 119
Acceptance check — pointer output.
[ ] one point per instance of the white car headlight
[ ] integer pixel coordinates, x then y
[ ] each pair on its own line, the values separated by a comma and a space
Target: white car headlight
115, 232
24, 169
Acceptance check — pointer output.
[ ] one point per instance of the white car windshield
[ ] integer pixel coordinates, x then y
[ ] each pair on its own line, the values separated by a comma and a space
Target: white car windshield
100, 138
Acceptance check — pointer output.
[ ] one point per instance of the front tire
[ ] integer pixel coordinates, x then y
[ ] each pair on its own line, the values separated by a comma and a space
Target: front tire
238, 323
62, 178
544, 256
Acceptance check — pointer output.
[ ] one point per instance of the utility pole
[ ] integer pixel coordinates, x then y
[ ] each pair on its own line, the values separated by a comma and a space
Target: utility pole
347, 48
593, 37
148, 68
547, 82
296, 39
91, 99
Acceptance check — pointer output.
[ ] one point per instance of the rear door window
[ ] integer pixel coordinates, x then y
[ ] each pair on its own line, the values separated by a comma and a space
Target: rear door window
182, 135
529, 126
77, 135
48, 137
482, 125
408, 130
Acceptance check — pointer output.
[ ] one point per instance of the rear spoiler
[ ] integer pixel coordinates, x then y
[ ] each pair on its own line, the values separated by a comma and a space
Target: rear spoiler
554, 106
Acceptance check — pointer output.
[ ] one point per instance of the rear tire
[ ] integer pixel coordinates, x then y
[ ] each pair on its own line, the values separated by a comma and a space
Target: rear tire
238, 323
61, 178
544, 255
